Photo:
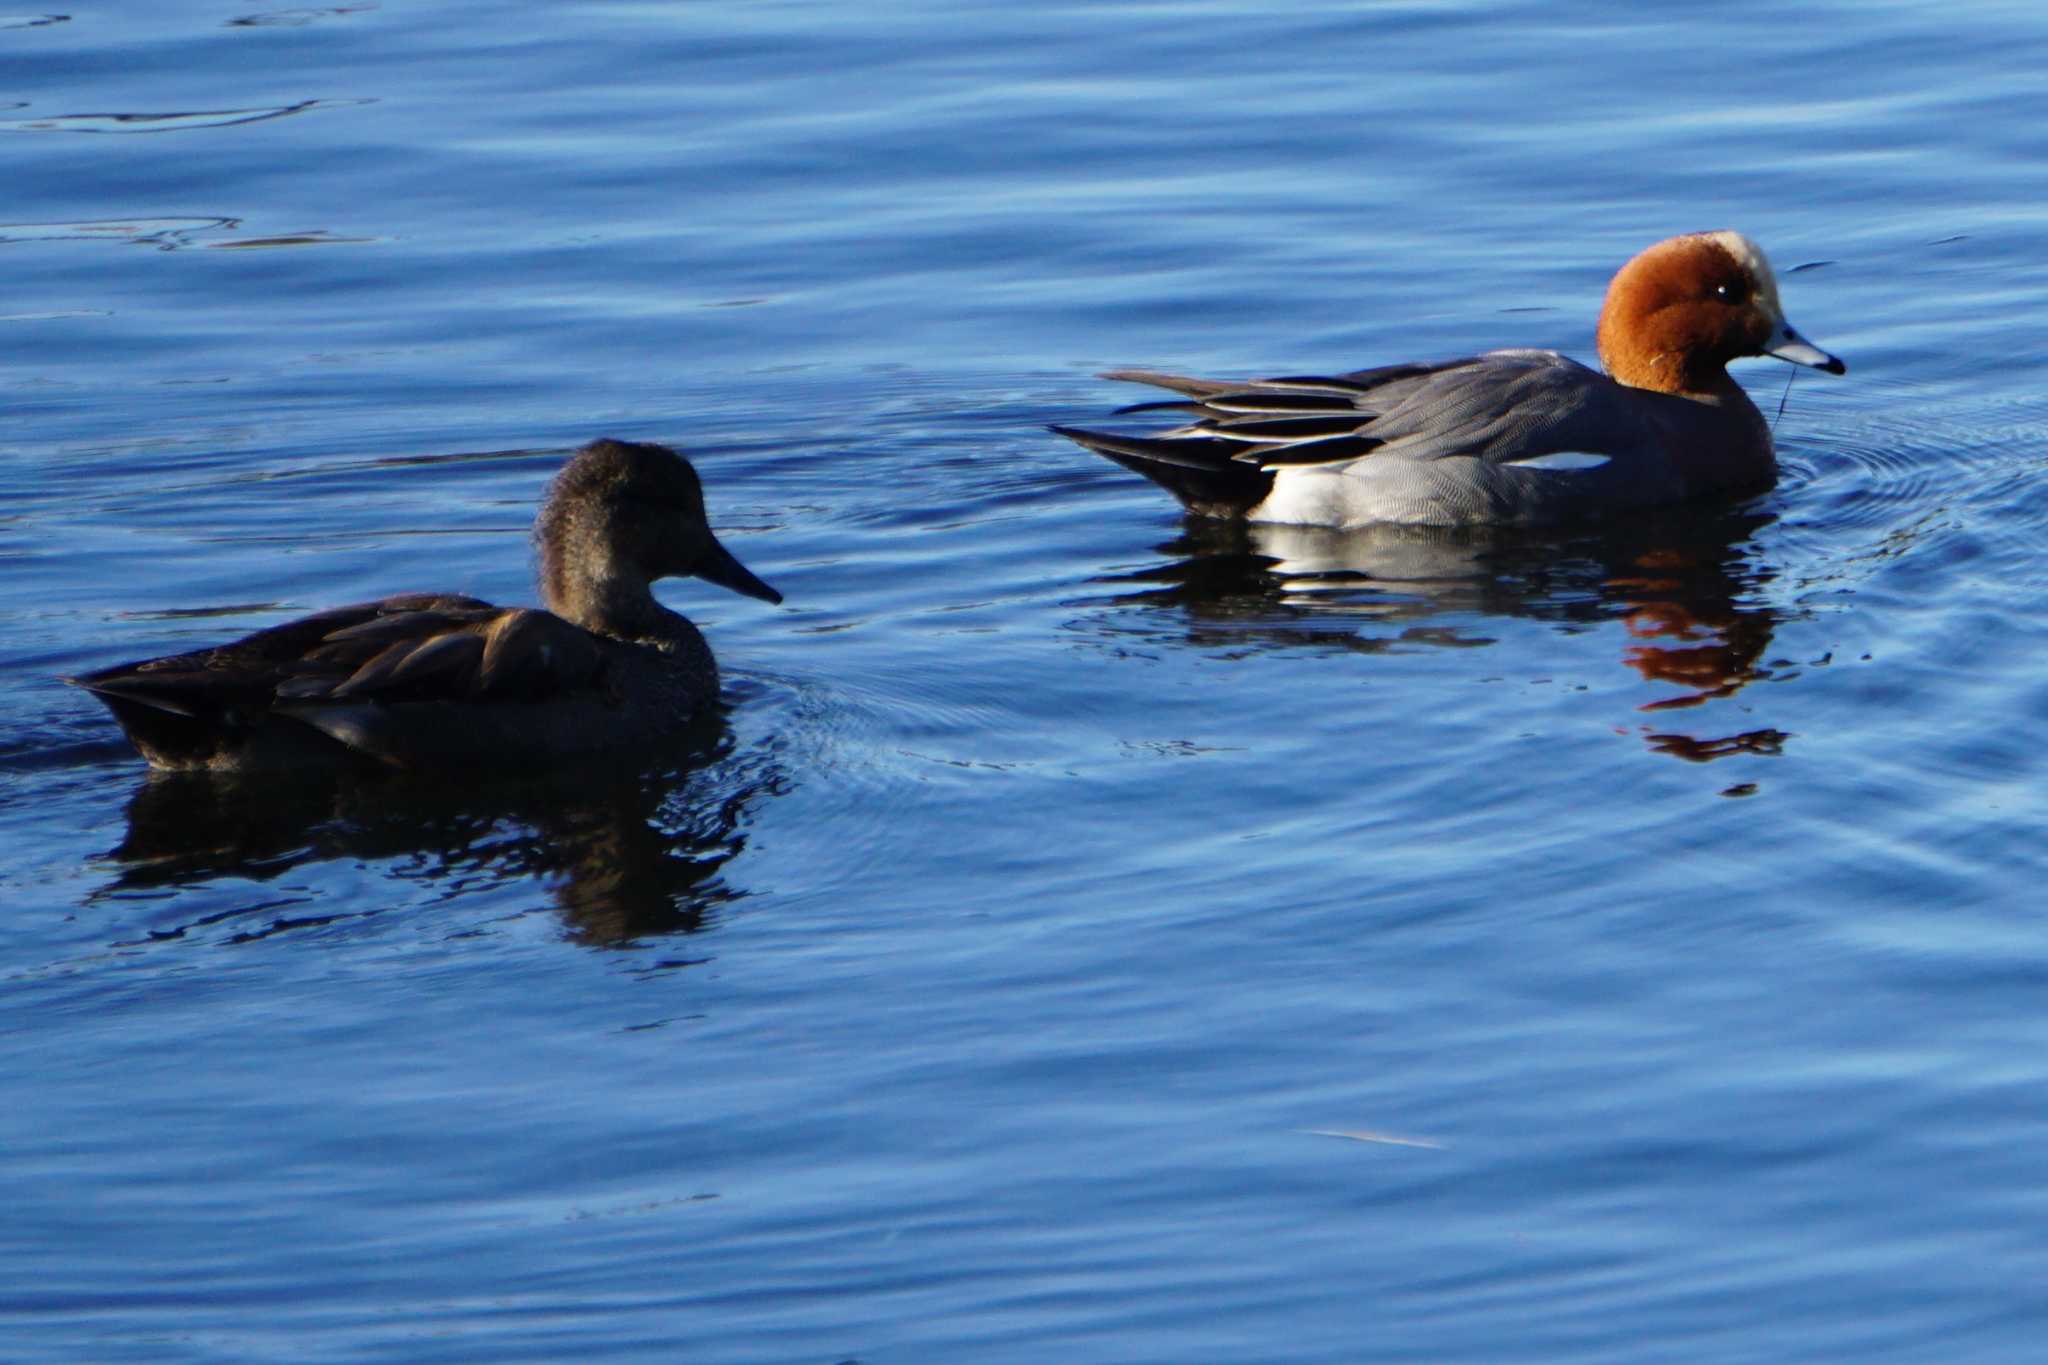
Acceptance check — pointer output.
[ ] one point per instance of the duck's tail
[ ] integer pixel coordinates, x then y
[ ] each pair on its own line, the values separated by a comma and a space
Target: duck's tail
1199, 472
163, 727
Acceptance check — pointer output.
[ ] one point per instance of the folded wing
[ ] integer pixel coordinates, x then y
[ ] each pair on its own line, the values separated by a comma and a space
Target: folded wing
1503, 407
421, 647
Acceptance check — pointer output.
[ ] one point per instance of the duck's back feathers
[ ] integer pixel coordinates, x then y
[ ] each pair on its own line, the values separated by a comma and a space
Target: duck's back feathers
422, 677
1502, 407
408, 651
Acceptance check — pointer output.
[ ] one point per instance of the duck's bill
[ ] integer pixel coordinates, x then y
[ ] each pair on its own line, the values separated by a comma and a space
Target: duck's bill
718, 566
1787, 344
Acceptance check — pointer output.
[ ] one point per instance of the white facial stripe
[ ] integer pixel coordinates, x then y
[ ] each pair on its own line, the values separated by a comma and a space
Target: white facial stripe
1750, 257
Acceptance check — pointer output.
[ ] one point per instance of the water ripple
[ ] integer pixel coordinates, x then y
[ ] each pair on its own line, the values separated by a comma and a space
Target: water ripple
1899, 478
296, 18
167, 234
184, 121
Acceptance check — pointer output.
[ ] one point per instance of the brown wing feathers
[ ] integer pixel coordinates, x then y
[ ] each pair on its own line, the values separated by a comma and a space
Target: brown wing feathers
415, 648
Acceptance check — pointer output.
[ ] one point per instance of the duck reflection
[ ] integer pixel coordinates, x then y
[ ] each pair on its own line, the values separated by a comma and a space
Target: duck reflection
625, 853
1686, 591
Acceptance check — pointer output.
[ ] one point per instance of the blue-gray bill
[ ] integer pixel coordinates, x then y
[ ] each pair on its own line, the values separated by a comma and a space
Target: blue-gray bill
718, 566
1787, 344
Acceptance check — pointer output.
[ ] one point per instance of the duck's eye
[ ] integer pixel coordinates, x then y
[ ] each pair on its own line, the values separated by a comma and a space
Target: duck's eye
1737, 293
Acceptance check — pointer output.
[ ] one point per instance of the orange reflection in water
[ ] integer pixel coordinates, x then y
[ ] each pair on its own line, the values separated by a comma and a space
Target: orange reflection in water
1713, 644
1701, 641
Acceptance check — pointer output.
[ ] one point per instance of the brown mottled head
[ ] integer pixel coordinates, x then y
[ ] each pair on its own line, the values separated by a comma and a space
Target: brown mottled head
627, 512
1679, 312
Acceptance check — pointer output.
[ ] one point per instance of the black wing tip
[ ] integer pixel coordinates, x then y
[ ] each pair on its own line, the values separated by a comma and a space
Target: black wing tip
1176, 383
1094, 440
1106, 442
1327, 450
1161, 405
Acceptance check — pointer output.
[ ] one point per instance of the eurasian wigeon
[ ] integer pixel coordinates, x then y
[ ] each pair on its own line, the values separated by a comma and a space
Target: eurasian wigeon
429, 681
1521, 437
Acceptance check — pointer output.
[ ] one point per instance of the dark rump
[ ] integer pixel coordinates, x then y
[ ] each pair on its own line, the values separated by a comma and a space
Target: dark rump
1201, 474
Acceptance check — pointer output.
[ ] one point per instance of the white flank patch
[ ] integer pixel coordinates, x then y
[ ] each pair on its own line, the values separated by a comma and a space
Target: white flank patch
1308, 497
1562, 459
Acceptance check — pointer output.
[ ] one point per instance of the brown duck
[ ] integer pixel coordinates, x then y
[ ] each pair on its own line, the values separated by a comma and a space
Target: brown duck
438, 681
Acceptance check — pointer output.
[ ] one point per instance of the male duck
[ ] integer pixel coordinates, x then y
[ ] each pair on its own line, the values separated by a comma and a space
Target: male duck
441, 681
1520, 437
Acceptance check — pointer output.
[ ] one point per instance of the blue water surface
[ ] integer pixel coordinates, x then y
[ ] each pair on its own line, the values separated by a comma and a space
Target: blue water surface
1090, 934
